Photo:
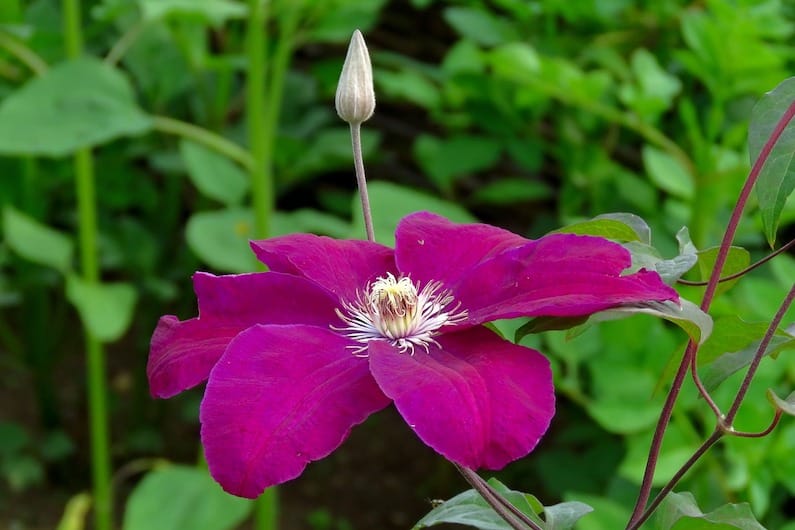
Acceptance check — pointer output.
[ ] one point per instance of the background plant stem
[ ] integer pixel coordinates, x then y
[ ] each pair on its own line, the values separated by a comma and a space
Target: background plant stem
89, 265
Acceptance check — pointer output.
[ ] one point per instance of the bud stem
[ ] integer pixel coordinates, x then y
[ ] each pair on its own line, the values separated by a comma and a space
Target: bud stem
361, 181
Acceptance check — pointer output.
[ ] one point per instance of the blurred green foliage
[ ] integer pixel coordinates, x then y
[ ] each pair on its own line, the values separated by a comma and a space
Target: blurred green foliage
527, 114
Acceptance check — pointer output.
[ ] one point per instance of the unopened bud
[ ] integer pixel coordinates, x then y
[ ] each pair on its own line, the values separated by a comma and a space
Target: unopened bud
355, 99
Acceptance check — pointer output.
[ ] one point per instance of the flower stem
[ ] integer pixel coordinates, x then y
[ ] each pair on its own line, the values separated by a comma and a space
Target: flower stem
89, 264
688, 359
25, 55
361, 180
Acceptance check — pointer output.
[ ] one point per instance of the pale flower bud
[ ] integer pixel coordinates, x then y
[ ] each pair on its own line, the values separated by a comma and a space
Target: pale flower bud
355, 99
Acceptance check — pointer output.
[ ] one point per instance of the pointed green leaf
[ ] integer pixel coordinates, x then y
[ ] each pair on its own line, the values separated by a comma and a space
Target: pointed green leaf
737, 260
105, 309
213, 174
667, 173
777, 178
679, 511
178, 498
76, 104
565, 515
74, 515
469, 508
37, 242
607, 228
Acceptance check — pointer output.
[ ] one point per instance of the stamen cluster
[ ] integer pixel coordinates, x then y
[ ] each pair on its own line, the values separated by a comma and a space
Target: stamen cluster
397, 310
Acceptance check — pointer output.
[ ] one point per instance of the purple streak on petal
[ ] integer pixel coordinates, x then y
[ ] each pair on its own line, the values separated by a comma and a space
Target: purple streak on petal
341, 266
557, 275
479, 401
182, 353
429, 247
280, 397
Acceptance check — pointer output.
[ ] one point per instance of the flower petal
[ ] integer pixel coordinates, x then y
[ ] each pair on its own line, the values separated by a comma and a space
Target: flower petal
480, 401
341, 266
280, 397
557, 275
429, 247
182, 353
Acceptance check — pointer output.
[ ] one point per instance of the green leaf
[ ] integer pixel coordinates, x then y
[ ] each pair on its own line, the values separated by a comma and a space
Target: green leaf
335, 20
37, 242
564, 516
511, 190
777, 178
607, 228
517, 61
106, 309
469, 508
686, 315
679, 511
737, 260
730, 361
445, 160
667, 173
213, 12
786, 405
220, 239
479, 25
178, 498
74, 515
408, 85
391, 202
213, 174
76, 104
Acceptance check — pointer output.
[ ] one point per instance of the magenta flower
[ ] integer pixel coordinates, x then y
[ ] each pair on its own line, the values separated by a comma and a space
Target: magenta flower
338, 329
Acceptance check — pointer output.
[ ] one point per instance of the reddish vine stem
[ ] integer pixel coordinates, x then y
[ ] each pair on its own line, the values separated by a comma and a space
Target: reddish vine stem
709, 293
746, 270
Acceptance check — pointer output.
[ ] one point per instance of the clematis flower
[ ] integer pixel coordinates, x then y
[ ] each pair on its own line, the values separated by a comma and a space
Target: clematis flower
339, 329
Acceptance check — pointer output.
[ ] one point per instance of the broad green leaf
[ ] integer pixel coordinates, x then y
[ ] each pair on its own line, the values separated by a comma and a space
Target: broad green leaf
786, 405
469, 508
737, 260
213, 12
667, 173
37, 242
178, 498
391, 202
730, 334
633, 221
679, 511
106, 309
480, 25
564, 516
74, 515
220, 239
408, 85
777, 178
213, 174
607, 514
517, 61
445, 160
76, 104
602, 227
511, 190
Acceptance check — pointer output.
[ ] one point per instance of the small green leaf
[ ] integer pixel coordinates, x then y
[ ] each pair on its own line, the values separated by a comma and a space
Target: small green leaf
777, 178
737, 260
37, 242
74, 515
469, 508
564, 516
391, 202
480, 25
602, 227
220, 239
178, 498
679, 511
106, 309
787, 405
667, 173
214, 175
76, 104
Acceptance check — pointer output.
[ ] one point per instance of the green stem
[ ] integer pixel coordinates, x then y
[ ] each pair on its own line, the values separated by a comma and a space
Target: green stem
124, 43
207, 138
261, 129
259, 143
89, 264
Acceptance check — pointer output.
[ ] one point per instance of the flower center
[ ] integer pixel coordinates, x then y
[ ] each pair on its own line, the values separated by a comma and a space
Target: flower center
397, 310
